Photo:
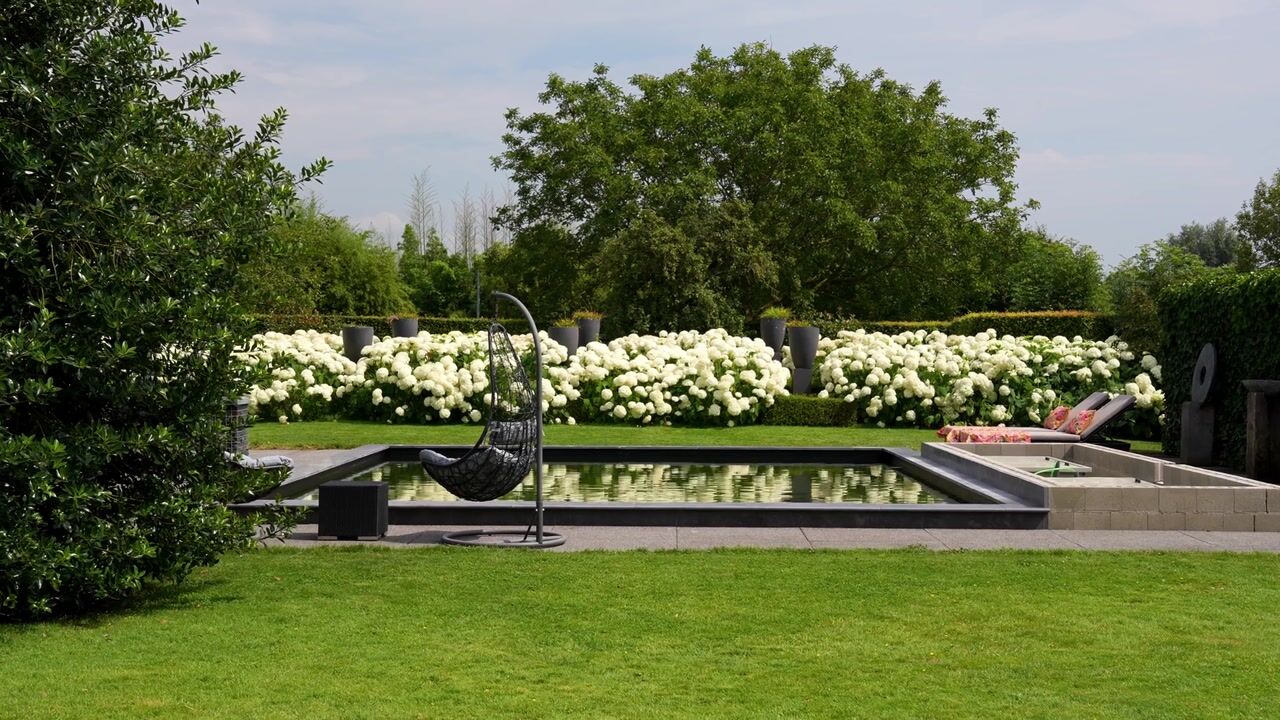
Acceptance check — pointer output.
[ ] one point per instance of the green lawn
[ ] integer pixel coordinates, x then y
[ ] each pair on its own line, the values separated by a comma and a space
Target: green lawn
342, 434
455, 633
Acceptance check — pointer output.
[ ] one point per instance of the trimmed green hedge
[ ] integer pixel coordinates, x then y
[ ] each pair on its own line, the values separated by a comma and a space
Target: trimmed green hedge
1238, 314
381, 324
811, 411
1069, 323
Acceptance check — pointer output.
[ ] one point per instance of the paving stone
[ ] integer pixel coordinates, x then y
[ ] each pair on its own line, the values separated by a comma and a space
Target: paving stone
1273, 500
1182, 500
995, 539
1092, 520
598, 537
1267, 523
1215, 500
1064, 498
1128, 521
1134, 540
1243, 541
1167, 521
1107, 499
712, 537
1251, 500
1140, 499
1205, 521
1238, 522
872, 538
1062, 520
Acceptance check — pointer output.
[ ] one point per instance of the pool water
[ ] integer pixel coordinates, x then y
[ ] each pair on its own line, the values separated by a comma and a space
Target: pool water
673, 483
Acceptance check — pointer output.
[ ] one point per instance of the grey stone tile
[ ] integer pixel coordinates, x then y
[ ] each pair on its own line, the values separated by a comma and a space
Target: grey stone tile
1062, 520
1140, 499
1092, 520
1267, 523
1251, 500
1215, 500
1181, 500
871, 538
600, 537
1205, 521
994, 539
1107, 499
1243, 541
713, 537
1167, 521
1128, 521
1134, 540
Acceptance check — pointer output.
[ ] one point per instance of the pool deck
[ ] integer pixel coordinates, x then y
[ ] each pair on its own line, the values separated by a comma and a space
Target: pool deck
705, 538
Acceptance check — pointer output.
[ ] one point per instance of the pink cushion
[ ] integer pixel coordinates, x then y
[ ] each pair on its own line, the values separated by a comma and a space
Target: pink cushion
1055, 419
976, 434
1081, 422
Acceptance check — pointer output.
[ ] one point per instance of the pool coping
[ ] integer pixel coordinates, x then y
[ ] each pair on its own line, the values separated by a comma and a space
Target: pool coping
982, 506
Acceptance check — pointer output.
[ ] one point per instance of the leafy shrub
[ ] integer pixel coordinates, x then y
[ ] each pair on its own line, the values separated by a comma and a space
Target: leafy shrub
1050, 323
381, 324
810, 410
1237, 313
129, 214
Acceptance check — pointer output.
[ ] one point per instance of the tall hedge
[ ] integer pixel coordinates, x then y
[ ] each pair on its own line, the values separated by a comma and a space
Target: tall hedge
1239, 315
128, 212
1069, 323
381, 324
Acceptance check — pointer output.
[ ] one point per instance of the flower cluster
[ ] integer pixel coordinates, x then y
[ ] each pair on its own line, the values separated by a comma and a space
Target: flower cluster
910, 379
687, 377
932, 379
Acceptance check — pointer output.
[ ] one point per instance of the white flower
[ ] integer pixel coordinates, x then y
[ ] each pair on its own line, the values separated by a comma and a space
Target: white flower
297, 409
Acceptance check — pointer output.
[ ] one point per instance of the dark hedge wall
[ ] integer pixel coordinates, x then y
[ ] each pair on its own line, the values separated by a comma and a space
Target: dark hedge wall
381, 324
1090, 325
1240, 315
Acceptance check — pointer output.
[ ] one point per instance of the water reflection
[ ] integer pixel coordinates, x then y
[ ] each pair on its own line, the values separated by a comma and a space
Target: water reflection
649, 483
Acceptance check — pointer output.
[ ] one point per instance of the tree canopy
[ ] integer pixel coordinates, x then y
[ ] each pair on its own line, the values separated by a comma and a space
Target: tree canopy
861, 195
1259, 222
130, 214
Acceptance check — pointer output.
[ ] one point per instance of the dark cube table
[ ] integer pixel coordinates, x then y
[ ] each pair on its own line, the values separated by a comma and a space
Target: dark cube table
353, 510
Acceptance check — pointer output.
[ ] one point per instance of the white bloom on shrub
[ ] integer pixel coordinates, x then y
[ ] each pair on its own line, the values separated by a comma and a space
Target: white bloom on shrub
284, 419
297, 409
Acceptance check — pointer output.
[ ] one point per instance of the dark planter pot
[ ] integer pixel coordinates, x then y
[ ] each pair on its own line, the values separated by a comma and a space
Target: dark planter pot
566, 336
588, 330
804, 346
404, 327
355, 339
801, 381
772, 331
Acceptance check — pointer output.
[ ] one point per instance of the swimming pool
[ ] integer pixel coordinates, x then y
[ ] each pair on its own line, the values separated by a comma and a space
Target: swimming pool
682, 483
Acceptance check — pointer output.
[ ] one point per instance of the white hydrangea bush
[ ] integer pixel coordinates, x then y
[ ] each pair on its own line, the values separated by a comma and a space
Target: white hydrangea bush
930, 379
688, 377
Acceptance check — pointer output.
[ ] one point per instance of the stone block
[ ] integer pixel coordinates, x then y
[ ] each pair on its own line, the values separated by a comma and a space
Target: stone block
1180, 500
1205, 521
1251, 500
1062, 520
1128, 521
1167, 521
1064, 498
1092, 521
1102, 499
1273, 500
1267, 523
1140, 499
1239, 522
1213, 500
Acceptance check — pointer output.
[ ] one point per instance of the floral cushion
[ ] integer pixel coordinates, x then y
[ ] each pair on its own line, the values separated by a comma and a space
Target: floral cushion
1082, 422
1055, 419
976, 434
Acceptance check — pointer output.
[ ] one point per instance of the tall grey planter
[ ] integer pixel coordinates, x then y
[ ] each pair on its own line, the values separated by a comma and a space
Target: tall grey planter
566, 336
355, 339
404, 327
804, 350
772, 331
588, 330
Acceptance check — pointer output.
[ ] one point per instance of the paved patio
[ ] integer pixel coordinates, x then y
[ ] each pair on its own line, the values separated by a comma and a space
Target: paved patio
705, 538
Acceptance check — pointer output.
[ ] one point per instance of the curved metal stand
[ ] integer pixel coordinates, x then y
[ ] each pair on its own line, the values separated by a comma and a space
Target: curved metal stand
505, 538
541, 538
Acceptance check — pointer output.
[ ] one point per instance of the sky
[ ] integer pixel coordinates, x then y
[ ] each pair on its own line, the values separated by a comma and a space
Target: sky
1133, 117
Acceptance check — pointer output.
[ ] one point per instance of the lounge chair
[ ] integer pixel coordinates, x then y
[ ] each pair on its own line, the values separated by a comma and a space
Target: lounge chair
1092, 402
999, 433
1102, 417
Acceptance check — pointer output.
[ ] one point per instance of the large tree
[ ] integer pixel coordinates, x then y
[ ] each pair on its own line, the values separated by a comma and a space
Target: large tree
130, 215
869, 197
1259, 222
1218, 244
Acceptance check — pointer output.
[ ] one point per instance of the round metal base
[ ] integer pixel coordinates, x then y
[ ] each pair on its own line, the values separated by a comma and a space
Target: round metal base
504, 538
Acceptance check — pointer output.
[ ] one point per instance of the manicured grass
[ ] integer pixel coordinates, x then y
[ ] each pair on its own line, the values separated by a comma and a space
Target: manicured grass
449, 633
343, 434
